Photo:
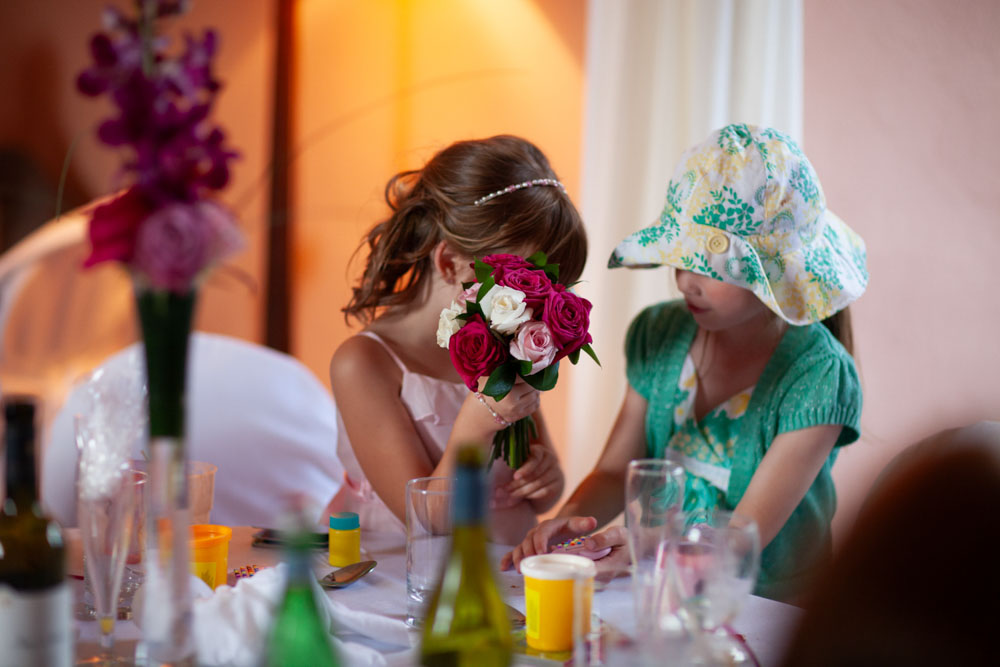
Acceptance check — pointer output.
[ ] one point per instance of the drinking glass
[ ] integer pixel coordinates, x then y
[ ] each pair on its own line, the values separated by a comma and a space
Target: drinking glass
107, 523
654, 492
428, 535
713, 563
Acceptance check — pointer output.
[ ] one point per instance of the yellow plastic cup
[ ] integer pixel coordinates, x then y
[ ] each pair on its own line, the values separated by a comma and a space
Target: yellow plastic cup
210, 553
549, 599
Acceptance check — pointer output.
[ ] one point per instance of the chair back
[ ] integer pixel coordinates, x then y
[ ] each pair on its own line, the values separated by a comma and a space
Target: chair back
259, 415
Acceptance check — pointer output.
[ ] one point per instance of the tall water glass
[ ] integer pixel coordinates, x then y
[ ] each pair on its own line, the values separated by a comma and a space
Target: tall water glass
107, 523
654, 493
428, 536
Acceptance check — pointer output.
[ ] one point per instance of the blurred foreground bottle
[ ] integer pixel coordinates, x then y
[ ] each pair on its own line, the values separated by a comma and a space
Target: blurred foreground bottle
467, 622
300, 636
35, 599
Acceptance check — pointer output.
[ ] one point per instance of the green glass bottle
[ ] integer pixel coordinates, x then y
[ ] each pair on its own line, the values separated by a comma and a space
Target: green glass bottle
35, 600
467, 623
300, 637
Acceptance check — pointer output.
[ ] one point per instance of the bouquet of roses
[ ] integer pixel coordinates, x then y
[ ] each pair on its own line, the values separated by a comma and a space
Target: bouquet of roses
516, 320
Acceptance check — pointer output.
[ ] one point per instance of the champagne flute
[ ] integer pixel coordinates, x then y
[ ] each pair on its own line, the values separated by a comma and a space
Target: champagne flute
109, 493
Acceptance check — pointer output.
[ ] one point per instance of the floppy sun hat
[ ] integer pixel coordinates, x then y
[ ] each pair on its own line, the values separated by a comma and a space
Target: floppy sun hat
745, 207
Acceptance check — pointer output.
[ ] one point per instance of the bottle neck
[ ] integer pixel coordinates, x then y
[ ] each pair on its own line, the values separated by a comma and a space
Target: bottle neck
22, 487
468, 500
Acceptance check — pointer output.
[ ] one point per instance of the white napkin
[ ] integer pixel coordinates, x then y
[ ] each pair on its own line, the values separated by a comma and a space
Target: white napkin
231, 624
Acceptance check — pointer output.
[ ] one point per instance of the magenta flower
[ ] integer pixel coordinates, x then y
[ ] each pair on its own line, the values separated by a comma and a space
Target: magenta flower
535, 284
475, 351
568, 317
113, 226
178, 241
176, 159
502, 263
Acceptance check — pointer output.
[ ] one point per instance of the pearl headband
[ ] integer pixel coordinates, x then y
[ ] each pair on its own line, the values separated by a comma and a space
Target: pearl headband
551, 182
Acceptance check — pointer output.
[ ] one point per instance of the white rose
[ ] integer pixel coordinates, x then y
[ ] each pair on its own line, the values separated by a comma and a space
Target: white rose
448, 325
504, 308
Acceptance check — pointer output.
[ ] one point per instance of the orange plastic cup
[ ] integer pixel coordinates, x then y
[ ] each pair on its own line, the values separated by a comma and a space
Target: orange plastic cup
210, 553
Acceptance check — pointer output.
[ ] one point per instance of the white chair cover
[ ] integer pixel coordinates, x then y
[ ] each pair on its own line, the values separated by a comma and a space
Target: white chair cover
57, 321
259, 415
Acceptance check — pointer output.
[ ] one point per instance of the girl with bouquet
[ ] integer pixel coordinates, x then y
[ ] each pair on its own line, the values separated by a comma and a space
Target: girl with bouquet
404, 406
749, 379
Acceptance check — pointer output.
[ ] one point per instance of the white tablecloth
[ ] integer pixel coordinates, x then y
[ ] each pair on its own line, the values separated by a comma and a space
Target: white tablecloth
369, 616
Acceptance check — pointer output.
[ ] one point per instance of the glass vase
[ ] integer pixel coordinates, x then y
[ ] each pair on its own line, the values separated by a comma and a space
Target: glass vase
167, 636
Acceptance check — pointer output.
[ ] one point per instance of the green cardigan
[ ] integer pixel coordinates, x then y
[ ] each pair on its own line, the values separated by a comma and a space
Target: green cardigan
810, 380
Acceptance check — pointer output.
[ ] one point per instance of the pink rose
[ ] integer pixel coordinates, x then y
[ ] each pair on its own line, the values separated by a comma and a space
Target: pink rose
503, 263
534, 343
468, 295
568, 316
177, 242
475, 351
113, 227
533, 282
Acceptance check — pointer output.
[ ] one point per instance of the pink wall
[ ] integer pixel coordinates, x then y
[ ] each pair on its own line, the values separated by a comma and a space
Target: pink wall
901, 100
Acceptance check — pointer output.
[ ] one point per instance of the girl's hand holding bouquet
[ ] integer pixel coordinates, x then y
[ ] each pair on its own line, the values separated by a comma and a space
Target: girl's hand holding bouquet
516, 322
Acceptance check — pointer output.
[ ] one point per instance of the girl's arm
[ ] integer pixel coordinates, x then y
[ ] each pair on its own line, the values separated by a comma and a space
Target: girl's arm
540, 480
784, 475
366, 384
600, 497
602, 493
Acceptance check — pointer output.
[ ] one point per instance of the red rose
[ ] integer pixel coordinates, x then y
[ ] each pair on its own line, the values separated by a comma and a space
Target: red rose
533, 282
568, 317
475, 352
113, 227
503, 263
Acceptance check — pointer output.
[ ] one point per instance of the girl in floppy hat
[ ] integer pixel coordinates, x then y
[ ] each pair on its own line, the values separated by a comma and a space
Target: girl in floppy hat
741, 379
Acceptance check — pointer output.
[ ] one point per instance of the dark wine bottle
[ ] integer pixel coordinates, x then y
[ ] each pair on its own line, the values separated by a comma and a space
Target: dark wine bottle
35, 598
299, 637
467, 621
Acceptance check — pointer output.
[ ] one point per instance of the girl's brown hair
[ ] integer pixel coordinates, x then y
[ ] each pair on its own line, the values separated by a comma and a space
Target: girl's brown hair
839, 325
436, 204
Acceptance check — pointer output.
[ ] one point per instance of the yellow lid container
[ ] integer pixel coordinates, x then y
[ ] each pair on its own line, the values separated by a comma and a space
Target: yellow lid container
210, 553
552, 583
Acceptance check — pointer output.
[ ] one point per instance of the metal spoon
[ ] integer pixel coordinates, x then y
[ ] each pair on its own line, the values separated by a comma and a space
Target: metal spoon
346, 576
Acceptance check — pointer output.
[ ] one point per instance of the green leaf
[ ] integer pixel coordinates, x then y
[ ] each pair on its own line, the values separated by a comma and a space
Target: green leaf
483, 270
467, 285
473, 308
574, 357
487, 285
525, 368
539, 259
552, 271
501, 381
544, 380
590, 352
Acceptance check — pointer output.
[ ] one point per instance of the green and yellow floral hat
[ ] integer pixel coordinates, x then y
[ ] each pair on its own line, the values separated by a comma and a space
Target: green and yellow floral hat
745, 207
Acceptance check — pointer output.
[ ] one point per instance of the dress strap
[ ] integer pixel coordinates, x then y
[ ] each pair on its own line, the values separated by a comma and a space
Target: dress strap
374, 336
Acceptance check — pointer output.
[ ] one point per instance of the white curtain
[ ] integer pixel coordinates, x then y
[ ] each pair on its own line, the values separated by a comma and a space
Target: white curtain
661, 74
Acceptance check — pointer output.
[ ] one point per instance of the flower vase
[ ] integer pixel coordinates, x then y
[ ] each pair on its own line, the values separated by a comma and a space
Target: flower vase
165, 319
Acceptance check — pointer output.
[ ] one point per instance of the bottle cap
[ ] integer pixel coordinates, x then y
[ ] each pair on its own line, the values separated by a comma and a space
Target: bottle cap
344, 521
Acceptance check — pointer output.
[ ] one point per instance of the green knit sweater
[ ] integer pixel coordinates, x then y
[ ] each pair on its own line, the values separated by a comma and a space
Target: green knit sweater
810, 380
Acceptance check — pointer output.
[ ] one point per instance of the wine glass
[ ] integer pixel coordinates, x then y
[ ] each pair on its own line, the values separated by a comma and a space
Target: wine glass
713, 562
654, 491
109, 495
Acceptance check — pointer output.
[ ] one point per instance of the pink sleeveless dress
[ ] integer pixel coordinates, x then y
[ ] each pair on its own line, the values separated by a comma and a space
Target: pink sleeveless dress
433, 405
